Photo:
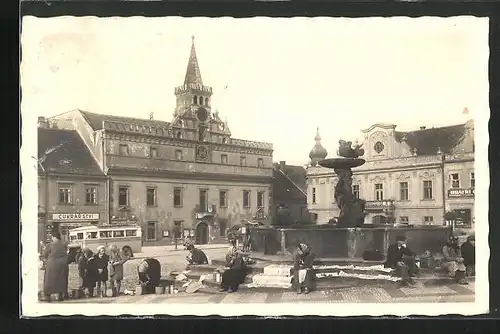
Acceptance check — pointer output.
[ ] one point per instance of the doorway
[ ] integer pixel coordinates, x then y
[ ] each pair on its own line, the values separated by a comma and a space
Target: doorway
151, 231
202, 233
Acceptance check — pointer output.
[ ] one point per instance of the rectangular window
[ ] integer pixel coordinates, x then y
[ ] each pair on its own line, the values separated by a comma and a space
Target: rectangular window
403, 191
123, 149
223, 159
123, 196
246, 198
455, 180
260, 162
153, 153
65, 194
79, 236
91, 235
404, 219
314, 196
151, 196
472, 180
131, 233
119, 234
260, 199
178, 155
428, 219
223, 198
105, 234
243, 161
177, 197
203, 200
355, 190
427, 189
177, 231
379, 191
90, 195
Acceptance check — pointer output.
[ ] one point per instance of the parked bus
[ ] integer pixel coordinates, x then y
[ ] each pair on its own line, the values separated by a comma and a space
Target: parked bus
128, 238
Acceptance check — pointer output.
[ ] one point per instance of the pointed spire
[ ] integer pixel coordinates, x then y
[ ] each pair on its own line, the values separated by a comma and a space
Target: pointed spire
318, 137
318, 152
193, 75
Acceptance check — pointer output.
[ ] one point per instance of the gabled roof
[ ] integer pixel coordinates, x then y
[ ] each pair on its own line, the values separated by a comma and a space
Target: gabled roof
297, 174
95, 120
63, 151
285, 189
428, 141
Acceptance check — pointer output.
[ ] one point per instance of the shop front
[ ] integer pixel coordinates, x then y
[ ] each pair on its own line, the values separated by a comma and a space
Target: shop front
63, 222
460, 205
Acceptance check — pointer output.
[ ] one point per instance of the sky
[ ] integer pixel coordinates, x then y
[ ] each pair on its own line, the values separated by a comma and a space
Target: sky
274, 80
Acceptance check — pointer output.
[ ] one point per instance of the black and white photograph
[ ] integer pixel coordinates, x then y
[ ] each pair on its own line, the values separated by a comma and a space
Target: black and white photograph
254, 166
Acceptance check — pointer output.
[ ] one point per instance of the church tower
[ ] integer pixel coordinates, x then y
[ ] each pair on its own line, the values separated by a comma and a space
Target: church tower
193, 95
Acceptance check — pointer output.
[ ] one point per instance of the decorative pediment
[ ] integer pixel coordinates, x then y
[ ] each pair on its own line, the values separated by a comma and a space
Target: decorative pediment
378, 178
427, 175
403, 176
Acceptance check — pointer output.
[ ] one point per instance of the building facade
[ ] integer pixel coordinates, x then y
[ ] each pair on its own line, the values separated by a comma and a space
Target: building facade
409, 177
72, 189
187, 175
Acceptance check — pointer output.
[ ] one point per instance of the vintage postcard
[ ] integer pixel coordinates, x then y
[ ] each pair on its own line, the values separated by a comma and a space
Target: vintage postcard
221, 166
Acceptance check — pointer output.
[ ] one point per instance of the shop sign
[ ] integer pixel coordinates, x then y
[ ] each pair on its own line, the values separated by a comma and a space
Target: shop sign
75, 216
460, 193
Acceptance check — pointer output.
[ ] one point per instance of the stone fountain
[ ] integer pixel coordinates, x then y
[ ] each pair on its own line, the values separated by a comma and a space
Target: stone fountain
352, 209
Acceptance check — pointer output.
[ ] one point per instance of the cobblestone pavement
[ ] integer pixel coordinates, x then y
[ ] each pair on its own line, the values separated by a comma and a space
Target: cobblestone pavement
437, 294
170, 260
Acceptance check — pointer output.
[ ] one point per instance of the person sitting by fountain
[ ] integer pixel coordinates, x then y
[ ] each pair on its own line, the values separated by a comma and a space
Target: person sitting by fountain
453, 261
303, 275
196, 255
149, 271
235, 270
402, 259
468, 251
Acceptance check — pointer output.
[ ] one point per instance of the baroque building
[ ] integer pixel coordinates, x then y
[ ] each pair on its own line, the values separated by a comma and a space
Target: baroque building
410, 177
189, 175
72, 188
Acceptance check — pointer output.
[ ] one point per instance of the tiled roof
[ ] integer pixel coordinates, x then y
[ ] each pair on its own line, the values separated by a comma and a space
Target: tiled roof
63, 151
297, 174
95, 120
285, 189
428, 141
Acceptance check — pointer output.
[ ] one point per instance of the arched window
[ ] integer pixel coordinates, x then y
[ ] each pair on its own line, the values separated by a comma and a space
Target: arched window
206, 101
224, 140
178, 135
201, 100
195, 99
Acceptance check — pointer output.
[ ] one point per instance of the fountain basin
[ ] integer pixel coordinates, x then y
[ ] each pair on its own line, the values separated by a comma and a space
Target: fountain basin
341, 163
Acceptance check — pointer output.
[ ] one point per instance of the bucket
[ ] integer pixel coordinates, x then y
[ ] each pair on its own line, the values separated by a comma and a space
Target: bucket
170, 289
159, 290
76, 294
139, 289
217, 276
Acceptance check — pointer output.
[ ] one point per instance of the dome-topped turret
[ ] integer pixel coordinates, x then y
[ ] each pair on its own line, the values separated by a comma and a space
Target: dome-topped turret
318, 152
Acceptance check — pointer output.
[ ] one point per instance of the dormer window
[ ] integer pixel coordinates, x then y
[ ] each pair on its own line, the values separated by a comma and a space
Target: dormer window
178, 135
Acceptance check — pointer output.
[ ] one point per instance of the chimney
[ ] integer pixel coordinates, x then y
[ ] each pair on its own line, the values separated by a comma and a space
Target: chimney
282, 165
43, 123
422, 128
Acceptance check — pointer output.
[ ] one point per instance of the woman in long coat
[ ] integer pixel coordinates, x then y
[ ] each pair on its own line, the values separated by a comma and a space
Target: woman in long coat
87, 271
116, 261
101, 260
55, 279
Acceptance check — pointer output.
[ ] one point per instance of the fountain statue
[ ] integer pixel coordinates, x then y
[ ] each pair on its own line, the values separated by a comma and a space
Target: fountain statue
352, 209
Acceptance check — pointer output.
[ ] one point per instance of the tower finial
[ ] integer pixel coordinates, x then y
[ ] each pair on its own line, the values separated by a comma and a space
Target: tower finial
318, 137
192, 39
193, 75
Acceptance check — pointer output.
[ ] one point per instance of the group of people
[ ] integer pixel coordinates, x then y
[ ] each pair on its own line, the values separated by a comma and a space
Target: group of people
94, 270
458, 261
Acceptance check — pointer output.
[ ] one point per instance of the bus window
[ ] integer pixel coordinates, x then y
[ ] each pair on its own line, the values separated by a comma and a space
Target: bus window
92, 235
79, 236
118, 234
72, 237
131, 233
105, 234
